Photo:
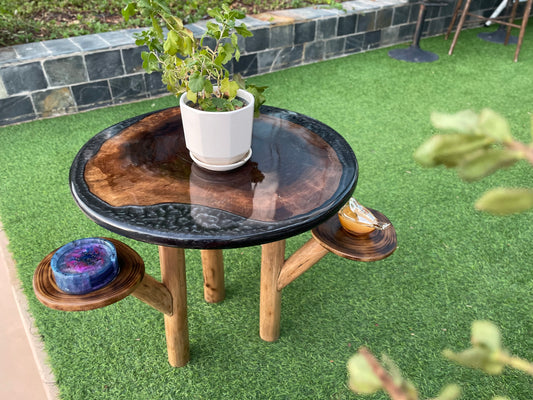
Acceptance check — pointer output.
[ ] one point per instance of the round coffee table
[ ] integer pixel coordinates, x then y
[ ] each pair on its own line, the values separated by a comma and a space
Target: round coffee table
137, 179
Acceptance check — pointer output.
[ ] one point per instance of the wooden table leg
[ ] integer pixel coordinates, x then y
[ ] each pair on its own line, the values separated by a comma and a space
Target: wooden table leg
213, 266
172, 262
272, 259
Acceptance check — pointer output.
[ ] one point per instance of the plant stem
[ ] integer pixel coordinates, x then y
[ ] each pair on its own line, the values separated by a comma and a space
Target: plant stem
395, 392
516, 363
521, 147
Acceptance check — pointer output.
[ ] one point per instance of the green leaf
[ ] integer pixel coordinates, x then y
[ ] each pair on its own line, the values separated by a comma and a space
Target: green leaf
449, 149
243, 31
240, 80
177, 23
157, 28
476, 357
207, 104
187, 46
486, 161
235, 41
213, 29
215, 13
129, 11
172, 43
461, 122
257, 92
196, 82
449, 392
237, 103
487, 335
222, 104
229, 49
225, 54
229, 88
208, 87
361, 377
503, 201
150, 62
192, 96
162, 6
494, 125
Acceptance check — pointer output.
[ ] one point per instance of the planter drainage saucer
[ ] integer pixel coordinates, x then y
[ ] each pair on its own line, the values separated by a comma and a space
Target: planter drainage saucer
218, 167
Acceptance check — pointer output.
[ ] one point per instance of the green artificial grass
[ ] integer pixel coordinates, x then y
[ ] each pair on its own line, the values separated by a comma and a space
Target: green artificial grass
453, 265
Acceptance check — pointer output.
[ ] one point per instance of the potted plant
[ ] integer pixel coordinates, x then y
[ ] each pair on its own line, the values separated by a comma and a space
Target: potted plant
217, 110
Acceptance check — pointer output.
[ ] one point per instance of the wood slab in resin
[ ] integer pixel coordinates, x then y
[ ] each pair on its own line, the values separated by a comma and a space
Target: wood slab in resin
137, 179
129, 277
373, 246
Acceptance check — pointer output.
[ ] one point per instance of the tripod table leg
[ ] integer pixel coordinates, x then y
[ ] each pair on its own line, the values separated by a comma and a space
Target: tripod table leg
213, 266
172, 262
272, 259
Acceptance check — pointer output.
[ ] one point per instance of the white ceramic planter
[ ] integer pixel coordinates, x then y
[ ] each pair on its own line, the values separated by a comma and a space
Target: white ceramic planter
219, 140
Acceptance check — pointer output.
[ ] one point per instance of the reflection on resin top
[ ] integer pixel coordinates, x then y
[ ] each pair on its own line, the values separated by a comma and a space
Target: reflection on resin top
292, 170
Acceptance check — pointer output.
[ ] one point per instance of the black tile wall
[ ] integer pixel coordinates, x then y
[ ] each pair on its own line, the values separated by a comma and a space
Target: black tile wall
304, 32
132, 59
335, 47
354, 43
69, 75
346, 25
401, 15
281, 36
154, 86
366, 22
133, 87
288, 57
7, 54
24, 78
107, 64
53, 102
384, 18
266, 59
326, 28
89, 42
32, 51
91, 93
314, 51
16, 109
61, 46
259, 41
65, 71
407, 32
372, 40
389, 35
247, 65
413, 15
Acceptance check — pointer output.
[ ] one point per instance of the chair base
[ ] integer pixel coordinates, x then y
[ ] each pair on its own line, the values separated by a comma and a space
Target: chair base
498, 36
413, 54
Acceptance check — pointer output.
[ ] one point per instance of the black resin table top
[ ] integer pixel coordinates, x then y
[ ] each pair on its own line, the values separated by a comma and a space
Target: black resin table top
136, 179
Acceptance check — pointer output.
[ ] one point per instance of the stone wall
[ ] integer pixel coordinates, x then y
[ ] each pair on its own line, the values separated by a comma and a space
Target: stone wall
56, 77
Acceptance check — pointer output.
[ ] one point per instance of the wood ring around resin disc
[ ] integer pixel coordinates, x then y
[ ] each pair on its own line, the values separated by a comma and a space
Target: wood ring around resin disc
129, 277
374, 246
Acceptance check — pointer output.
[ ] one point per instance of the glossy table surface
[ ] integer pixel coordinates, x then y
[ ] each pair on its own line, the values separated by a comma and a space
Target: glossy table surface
137, 179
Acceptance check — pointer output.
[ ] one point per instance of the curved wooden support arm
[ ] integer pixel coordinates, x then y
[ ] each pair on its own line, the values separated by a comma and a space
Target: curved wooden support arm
300, 261
155, 294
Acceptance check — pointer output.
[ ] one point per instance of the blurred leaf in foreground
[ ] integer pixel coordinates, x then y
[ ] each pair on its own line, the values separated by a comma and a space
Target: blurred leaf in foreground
502, 201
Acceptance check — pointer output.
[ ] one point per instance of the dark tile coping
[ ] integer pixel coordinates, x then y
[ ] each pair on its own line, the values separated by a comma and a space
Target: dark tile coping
63, 76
